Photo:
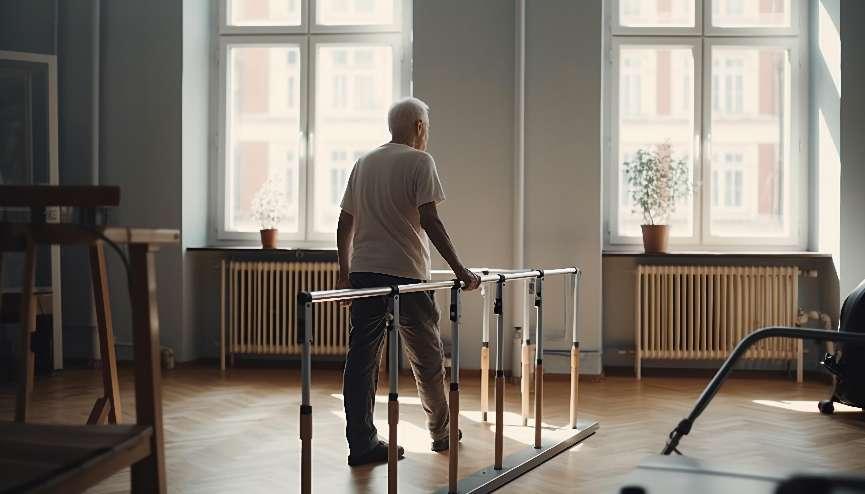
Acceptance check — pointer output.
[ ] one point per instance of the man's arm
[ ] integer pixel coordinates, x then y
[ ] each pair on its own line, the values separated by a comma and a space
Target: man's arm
344, 235
430, 221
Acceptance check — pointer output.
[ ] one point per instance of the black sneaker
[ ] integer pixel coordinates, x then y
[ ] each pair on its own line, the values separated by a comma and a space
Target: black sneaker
378, 454
444, 443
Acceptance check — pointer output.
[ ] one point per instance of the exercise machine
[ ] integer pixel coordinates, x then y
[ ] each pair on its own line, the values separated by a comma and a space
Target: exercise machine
667, 473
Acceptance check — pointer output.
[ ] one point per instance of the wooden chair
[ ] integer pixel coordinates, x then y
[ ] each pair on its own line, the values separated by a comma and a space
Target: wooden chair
68, 459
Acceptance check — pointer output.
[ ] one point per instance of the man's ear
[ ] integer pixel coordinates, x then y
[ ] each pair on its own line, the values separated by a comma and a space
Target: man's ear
419, 127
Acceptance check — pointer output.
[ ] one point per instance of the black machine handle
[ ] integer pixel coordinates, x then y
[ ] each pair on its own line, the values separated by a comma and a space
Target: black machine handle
747, 342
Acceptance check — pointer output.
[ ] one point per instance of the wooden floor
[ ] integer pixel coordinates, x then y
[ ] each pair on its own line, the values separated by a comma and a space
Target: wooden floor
237, 433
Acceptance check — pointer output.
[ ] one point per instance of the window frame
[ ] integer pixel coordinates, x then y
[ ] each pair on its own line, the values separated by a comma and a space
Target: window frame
308, 35
225, 28
797, 238
797, 24
796, 40
612, 164
392, 40
222, 132
395, 27
616, 29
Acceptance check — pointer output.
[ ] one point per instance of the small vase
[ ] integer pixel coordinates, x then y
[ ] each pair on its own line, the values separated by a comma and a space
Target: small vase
268, 238
655, 238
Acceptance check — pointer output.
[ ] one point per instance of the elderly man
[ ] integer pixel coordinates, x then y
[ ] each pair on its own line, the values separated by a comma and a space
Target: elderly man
388, 217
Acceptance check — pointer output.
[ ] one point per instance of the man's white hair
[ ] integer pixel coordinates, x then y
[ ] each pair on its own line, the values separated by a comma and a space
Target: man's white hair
404, 113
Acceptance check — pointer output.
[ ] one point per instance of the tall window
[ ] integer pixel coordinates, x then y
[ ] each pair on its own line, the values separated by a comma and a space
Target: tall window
304, 87
721, 81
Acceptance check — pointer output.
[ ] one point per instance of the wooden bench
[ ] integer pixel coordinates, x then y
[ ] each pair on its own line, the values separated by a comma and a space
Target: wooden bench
68, 459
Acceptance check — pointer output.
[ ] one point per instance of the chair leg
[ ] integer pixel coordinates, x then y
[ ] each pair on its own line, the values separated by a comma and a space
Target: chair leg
110, 381
28, 325
148, 475
1, 281
99, 413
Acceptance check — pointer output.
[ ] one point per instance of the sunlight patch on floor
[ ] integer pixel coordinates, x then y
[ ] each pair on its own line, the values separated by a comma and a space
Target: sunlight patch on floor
416, 439
804, 406
513, 428
411, 437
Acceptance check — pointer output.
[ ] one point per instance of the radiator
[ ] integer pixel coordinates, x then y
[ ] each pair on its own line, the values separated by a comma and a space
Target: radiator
701, 312
258, 308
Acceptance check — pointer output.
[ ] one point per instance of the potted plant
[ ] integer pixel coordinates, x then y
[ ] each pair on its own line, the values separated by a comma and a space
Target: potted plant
658, 181
268, 205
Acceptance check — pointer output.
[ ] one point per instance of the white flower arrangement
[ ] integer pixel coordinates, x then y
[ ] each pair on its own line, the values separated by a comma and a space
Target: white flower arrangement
269, 203
657, 181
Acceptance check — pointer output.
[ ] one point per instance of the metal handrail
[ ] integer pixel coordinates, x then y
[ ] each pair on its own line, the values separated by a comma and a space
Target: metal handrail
358, 293
747, 342
306, 300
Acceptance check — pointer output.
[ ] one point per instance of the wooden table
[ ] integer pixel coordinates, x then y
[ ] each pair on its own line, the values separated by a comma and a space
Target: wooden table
78, 464
18, 237
82, 455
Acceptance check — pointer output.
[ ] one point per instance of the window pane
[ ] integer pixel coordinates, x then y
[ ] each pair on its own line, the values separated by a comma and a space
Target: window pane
262, 131
750, 142
354, 89
354, 12
656, 106
657, 13
751, 13
263, 12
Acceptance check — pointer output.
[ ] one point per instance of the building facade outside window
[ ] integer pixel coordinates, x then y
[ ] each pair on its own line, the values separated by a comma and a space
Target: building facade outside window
303, 88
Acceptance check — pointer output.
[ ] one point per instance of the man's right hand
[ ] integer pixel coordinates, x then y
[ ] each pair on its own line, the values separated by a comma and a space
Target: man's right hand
343, 283
470, 280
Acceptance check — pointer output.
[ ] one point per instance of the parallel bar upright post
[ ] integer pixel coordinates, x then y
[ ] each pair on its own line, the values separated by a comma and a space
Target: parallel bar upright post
454, 405
222, 315
485, 352
393, 391
575, 347
539, 358
526, 357
304, 331
500, 374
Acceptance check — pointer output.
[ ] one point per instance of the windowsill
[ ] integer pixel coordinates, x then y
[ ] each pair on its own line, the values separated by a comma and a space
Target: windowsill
634, 252
252, 252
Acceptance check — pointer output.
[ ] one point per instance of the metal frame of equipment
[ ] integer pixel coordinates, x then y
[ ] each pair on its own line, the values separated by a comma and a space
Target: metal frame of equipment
504, 469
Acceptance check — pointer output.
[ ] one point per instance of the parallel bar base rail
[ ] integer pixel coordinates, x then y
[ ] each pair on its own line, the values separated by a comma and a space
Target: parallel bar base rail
517, 464
684, 427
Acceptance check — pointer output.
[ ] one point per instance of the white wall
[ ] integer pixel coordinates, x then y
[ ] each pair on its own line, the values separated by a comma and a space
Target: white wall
825, 126
464, 56
852, 144
197, 35
79, 157
563, 158
464, 69
141, 143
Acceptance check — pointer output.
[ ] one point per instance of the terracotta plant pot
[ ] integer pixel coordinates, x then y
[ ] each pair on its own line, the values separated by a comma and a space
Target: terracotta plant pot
656, 238
268, 238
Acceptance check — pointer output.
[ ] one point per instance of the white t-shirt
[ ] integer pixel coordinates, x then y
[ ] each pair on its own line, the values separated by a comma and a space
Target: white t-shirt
383, 194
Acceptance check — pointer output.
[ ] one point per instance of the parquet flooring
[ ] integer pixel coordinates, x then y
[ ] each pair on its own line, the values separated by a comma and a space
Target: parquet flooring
238, 432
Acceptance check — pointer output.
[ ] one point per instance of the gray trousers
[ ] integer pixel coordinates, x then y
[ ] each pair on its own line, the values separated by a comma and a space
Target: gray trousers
421, 341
